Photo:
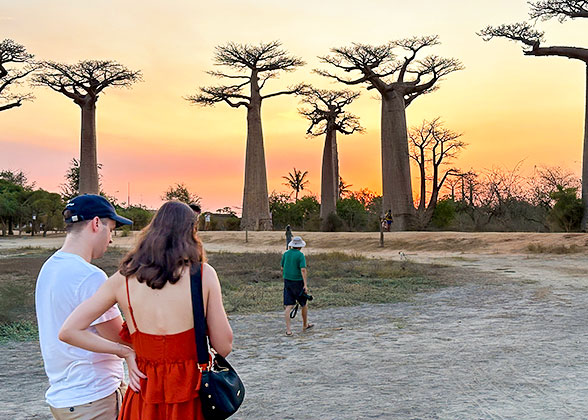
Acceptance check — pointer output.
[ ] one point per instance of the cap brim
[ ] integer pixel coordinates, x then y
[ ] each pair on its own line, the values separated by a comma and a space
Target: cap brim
120, 221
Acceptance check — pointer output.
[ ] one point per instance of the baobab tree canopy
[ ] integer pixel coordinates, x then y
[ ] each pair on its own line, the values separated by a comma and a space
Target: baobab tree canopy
15, 65
83, 82
253, 66
399, 79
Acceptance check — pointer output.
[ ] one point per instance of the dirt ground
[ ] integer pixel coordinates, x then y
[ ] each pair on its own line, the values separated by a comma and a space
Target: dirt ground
507, 341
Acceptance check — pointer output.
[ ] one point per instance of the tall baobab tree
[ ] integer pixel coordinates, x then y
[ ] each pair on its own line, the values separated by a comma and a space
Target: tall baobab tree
296, 180
432, 147
82, 83
258, 64
326, 116
399, 81
15, 65
532, 39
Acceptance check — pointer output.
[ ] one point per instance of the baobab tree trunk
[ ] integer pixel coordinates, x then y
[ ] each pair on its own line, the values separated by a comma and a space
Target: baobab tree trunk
396, 182
335, 156
256, 215
584, 224
328, 186
88, 160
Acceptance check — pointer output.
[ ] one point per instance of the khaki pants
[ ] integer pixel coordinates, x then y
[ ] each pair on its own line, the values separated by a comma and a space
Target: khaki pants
106, 408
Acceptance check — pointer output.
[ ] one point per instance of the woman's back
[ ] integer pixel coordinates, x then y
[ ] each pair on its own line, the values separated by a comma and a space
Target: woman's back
162, 311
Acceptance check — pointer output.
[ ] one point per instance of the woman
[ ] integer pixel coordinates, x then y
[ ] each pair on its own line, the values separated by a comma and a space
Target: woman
152, 288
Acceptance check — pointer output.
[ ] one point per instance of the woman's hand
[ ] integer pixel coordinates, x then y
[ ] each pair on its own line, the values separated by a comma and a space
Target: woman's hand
135, 375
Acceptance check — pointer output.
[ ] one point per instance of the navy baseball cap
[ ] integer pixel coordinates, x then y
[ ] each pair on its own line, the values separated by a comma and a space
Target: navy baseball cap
88, 206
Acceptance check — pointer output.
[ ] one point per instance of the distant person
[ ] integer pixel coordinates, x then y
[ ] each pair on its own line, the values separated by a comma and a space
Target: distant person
388, 219
295, 282
82, 384
288, 236
207, 221
153, 290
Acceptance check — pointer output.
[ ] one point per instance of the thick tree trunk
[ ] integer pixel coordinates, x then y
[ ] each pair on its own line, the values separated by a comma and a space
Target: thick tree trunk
396, 182
256, 215
328, 185
335, 155
88, 159
584, 224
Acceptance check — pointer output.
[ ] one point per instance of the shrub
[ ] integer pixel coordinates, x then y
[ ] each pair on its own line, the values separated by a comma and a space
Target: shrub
567, 212
444, 213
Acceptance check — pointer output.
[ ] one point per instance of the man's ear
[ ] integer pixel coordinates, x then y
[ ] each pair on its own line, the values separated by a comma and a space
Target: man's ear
95, 224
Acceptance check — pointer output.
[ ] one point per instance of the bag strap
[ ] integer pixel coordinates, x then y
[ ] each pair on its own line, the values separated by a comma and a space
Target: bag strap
198, 312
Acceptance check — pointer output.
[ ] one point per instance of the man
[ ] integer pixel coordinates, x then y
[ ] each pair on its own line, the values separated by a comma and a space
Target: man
82, 384
295, 282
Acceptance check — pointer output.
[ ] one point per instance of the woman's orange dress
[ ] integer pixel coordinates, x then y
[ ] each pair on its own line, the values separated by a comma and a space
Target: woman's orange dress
170, 363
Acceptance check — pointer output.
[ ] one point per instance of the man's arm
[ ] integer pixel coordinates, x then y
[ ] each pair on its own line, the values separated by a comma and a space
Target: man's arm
110, 330
304, 278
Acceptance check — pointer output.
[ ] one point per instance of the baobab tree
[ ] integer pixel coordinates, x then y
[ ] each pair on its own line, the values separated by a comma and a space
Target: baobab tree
532, 40
432, 147
399, 81
258, 63
296, 180
326, 116
15, 65
82, 83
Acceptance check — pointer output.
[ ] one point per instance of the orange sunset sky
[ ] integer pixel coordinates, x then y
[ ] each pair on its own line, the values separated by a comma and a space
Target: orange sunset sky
510, 107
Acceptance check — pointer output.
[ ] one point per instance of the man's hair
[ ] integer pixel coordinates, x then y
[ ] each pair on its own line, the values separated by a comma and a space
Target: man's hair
76, 227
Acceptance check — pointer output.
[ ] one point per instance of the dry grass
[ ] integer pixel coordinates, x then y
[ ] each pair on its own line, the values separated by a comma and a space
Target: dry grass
536, 248
251, 282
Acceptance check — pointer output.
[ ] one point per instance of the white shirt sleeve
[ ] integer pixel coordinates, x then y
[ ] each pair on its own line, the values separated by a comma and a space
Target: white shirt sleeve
88, 287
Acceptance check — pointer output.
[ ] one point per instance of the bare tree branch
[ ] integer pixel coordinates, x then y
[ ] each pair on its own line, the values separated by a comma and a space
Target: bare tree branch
83, 81
560, 9
15, 65
521, 31
327, 111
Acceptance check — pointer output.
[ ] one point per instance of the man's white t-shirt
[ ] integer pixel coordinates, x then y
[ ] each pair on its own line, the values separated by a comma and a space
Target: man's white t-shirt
76, 376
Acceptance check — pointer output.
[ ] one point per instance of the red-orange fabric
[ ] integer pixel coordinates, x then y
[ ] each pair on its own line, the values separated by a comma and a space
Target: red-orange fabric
170, 391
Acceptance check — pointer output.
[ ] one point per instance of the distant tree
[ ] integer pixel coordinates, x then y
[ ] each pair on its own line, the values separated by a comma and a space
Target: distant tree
532, 39
181, 193
11, 205
82, 83
71, 187
344, 188
432, 147
296, 180
227, 210
327, 116
15, 65
566, 214
546, 180
45, 210
16, 177
399, 81
260, 63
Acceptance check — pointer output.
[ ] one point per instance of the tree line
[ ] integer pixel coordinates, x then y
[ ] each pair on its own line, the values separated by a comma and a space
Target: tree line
396, 70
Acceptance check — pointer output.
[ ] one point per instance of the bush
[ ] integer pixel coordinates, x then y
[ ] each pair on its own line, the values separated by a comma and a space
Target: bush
567, 212
444, 213
333, 223
140, 216
353, 213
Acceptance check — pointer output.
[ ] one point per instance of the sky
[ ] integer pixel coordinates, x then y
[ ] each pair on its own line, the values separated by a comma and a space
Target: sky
509, 107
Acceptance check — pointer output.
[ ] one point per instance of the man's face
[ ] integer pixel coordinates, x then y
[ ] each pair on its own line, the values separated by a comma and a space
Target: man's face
104, 237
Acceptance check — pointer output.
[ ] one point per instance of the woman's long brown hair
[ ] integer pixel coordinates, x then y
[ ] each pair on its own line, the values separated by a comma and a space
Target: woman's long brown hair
166, 246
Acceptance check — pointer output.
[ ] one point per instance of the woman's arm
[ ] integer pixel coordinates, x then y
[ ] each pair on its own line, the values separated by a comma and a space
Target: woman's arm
75, 331
219, 330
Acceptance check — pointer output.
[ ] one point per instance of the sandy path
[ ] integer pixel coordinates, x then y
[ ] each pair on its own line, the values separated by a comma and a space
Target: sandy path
507, 342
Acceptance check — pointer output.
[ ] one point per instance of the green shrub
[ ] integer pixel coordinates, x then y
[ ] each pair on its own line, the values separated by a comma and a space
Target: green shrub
444, 213
567, 212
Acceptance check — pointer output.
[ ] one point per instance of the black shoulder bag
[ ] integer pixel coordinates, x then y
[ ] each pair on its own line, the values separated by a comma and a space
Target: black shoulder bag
221, 389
